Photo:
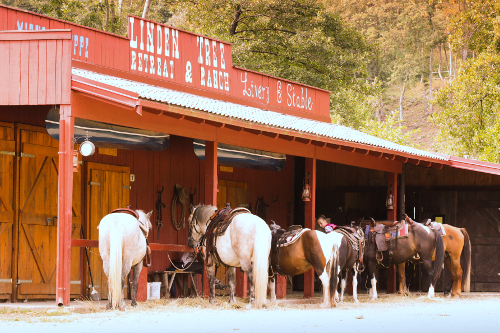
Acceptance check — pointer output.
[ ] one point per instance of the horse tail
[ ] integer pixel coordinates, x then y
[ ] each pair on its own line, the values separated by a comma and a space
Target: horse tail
467, 260
115, 266
261, 250
439, 260
334, 271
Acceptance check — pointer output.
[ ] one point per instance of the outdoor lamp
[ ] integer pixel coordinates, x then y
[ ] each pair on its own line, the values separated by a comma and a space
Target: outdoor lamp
389, 202
306, 192
87, 148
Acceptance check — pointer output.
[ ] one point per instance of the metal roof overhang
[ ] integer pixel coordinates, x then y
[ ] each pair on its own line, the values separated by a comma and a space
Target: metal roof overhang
325, 148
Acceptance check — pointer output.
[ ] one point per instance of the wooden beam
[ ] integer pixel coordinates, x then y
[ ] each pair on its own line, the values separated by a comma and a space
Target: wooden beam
234, 128
215, 123
302, 140
402, 159
286, 137
65, 204
389, 156
425, 164
349, 149
270, 134
436, 165
318, 143
375, 153
195, 119
310, 220
253, 131
333, 146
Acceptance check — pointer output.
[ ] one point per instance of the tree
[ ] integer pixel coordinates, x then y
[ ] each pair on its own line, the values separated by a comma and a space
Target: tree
295, 39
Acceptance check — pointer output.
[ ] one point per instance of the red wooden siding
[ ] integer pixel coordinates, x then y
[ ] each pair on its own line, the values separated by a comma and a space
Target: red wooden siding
91, 46
35, 68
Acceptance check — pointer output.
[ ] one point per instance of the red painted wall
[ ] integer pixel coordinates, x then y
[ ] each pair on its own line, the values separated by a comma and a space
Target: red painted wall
190, 61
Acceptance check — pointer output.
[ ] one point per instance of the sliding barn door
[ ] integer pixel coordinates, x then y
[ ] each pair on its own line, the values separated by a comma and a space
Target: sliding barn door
37, 223
7, 215
108, 189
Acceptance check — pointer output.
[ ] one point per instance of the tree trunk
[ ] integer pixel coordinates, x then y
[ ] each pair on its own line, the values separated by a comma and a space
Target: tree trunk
112, 15
451, 64
380, 110
430, 80
401, 97
424, 94
106, 26
146, 9
120, 6
446, 61
439, 67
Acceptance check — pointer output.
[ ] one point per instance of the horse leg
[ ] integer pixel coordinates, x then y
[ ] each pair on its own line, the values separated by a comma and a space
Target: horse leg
402, 279
247, 267
355, 284
272, 287
456, 274
344, 276
427, 263
231, 276
211, 282
136, 271
373, 281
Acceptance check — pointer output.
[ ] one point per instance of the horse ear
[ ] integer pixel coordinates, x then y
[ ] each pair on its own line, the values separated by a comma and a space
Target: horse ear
149, 214
373, 221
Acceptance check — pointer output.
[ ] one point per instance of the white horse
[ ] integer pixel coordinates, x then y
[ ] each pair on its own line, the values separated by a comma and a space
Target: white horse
246, 244
122, 245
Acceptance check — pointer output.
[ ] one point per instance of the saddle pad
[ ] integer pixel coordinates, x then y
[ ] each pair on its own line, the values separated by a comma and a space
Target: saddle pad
439, 228
289, 240
403, 231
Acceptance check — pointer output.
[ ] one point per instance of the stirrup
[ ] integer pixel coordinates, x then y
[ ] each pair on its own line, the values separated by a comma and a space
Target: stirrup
416, 257
381, 256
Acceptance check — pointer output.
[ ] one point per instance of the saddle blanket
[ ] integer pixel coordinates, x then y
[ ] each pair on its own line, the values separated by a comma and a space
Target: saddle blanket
438, 227
403, 231
292, 239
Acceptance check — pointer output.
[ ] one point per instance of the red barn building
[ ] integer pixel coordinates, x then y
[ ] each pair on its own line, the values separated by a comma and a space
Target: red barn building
167, 107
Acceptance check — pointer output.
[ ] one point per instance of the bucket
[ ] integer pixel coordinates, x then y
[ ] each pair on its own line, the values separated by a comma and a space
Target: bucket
154, 290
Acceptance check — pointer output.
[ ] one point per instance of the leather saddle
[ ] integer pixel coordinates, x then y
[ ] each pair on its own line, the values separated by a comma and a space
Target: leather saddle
379, 233
146, 261
355, 237
291, 235
217, 226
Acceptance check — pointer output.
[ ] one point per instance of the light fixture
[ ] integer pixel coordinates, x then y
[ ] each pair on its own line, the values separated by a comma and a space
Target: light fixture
306, 192
389, 202
87, 148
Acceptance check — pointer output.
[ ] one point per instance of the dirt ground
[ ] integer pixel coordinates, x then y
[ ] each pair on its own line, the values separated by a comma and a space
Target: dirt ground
474, 313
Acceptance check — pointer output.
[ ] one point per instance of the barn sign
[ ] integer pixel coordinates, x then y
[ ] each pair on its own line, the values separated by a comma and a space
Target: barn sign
179, 58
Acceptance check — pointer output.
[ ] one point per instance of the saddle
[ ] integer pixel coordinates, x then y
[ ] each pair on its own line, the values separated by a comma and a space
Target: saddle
355, 237
290, 236
386, 232
147, 258
217, 226
436, 226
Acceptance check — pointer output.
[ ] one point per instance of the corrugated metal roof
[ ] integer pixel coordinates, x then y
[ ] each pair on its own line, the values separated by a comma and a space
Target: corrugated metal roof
251, 114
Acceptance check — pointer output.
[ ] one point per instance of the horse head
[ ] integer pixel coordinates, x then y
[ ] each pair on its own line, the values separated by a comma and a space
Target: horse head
198, 218
144, 218
274, 227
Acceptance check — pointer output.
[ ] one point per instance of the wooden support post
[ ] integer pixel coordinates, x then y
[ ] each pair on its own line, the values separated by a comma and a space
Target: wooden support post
241, 283
310, 220
280, 286
142, 288
211, 189
392, 182
64, 206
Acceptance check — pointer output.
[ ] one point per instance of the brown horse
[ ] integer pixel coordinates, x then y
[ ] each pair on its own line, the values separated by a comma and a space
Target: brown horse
312, 249
456, 242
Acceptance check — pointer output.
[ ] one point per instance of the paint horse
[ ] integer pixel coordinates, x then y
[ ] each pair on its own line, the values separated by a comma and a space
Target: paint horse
456, 243
350, 258
123, 246
307, 248
245, 243
421, 241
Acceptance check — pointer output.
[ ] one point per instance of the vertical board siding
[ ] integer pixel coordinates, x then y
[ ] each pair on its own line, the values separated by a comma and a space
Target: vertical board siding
38, 72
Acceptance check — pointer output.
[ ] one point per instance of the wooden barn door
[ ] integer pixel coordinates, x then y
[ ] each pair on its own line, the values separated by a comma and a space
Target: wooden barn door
7, 215
234, 193
37, 223
108, 189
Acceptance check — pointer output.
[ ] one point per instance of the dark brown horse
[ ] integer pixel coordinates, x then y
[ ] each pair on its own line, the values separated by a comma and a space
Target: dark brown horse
456, 243
312, 249
421, 241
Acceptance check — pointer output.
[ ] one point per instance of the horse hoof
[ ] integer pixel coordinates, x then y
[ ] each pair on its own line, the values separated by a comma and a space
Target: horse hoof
134, 303
212, 301
108, 306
